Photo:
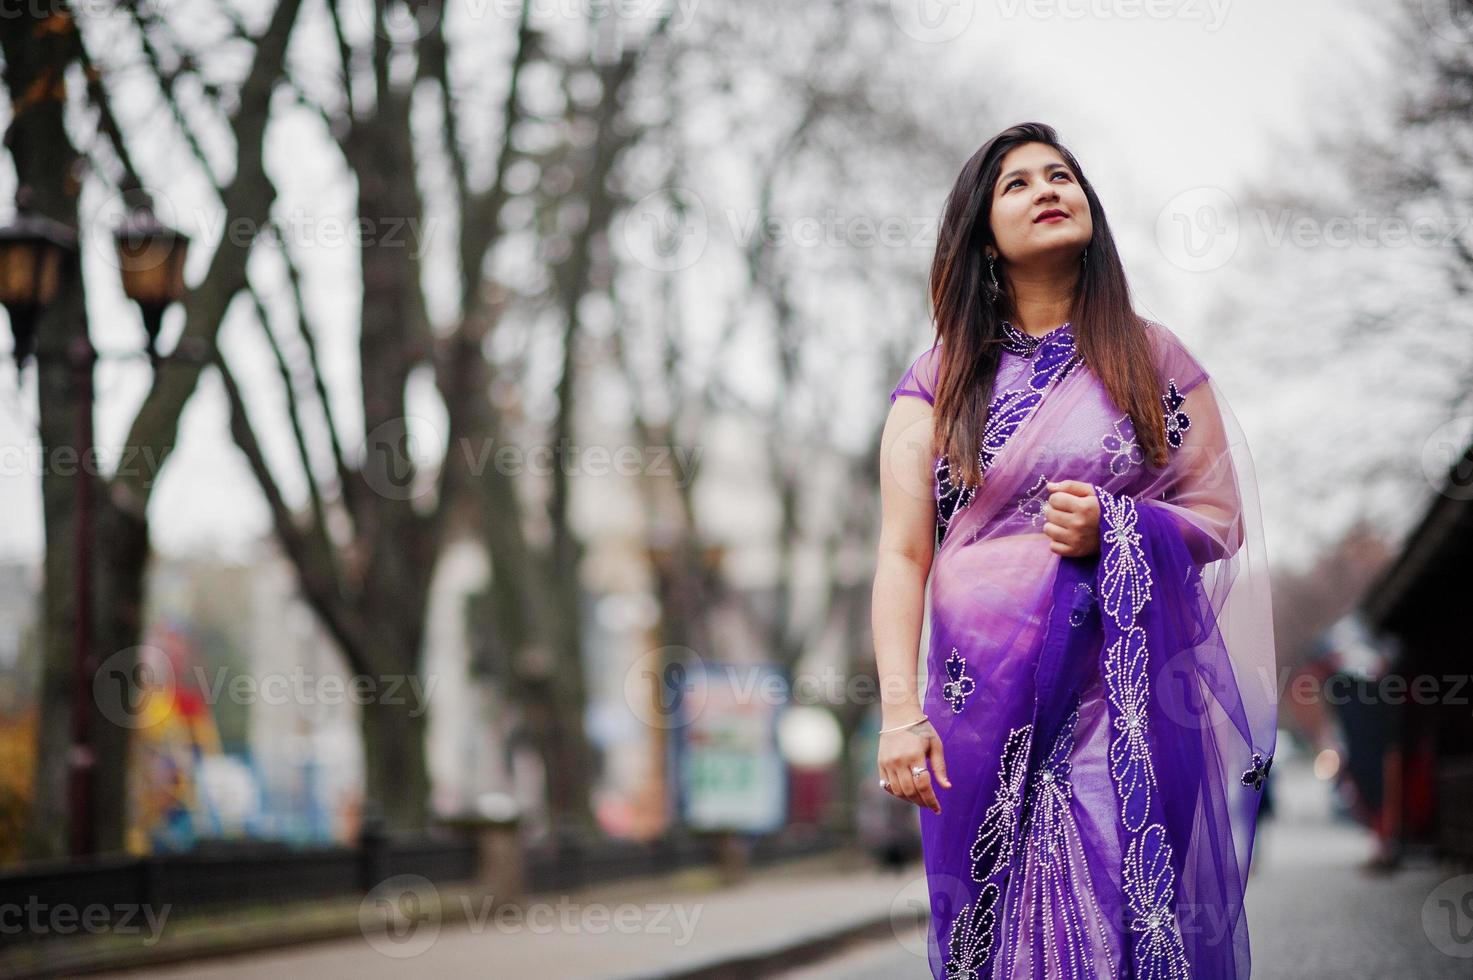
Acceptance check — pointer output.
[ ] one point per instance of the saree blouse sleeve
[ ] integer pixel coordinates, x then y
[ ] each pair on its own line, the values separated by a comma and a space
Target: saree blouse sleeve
919, 379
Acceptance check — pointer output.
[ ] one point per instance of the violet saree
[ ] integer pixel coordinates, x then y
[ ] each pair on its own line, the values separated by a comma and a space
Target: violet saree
1108, 721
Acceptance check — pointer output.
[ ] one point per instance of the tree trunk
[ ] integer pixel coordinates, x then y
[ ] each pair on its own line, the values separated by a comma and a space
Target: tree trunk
396, 775
38, 47
121, 569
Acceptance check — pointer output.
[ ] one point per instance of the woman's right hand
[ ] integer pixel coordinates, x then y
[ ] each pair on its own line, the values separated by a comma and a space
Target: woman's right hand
909, 749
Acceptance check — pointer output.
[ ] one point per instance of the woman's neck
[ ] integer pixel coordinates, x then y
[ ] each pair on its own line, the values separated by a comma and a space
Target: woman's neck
1041, 301
1038, 319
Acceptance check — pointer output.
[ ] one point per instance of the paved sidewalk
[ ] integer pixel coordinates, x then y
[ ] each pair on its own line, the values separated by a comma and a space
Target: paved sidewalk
695, 929
1315, 910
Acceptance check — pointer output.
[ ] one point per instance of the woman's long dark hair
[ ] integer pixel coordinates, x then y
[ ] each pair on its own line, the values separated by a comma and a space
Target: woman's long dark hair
1110, 337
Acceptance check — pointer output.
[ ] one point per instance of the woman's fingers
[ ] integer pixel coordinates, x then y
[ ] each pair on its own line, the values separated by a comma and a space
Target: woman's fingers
908, 773
927, 795
913, 782
902, 783
938, 761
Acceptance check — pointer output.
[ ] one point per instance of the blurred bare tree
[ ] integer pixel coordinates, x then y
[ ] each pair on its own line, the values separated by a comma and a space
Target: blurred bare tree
537, 144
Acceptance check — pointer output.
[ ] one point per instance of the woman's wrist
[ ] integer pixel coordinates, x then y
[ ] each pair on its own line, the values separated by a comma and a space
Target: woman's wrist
900, 700
906, 726
892, 715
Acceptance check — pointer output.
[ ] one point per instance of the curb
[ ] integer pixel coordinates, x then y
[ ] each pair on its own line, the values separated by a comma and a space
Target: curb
820, 946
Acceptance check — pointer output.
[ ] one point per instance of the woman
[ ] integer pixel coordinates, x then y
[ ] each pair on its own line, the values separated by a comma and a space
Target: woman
1099, 712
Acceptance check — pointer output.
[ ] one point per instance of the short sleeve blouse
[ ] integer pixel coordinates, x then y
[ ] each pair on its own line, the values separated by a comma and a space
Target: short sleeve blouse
920, 378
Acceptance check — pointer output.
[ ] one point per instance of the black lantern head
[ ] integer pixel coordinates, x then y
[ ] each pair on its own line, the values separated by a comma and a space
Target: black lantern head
151, 258
33, 253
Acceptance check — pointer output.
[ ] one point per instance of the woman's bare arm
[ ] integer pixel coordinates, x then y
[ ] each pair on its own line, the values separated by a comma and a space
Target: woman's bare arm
897, 607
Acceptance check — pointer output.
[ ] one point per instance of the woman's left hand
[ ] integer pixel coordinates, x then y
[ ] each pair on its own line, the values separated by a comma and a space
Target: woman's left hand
1071, 518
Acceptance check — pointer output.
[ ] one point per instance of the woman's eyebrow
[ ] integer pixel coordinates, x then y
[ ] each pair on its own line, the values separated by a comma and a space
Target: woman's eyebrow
1023, 170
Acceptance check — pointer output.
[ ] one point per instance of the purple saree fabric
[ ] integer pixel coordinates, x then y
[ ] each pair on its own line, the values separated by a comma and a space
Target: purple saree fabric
1107, 721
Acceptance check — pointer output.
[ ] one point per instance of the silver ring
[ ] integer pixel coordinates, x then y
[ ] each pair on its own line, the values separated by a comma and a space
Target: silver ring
918, 771
884, 784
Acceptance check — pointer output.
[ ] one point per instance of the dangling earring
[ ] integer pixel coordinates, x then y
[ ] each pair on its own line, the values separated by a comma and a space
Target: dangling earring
1084, 256
992, 270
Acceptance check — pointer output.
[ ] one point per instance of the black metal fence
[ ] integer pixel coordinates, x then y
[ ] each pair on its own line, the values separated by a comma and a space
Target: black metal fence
572, 864
46, 899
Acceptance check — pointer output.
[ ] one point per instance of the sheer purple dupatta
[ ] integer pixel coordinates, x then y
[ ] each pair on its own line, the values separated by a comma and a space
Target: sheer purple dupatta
1173, 618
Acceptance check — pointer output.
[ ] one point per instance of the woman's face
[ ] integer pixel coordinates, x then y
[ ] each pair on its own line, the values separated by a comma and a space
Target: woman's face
1035, 180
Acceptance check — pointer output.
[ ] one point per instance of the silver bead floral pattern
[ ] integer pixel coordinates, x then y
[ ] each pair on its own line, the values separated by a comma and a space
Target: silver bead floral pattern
959, 684
1177, 421
1121, 447
1257, 773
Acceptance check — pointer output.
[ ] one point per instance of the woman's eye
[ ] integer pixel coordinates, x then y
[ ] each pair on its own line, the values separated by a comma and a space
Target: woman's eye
1019, 180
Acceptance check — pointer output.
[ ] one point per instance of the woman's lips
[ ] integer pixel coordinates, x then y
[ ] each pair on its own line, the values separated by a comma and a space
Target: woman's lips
1050, 218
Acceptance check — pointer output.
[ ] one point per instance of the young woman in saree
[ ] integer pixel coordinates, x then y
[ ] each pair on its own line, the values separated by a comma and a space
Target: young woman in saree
1099, 712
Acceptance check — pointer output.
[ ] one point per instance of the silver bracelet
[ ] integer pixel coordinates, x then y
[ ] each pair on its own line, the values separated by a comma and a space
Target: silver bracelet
897, 728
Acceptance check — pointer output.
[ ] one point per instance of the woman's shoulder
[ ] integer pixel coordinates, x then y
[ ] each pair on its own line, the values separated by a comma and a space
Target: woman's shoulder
1174, 359
921, 377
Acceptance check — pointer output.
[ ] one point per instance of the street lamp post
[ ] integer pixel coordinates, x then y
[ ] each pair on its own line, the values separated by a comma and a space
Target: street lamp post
151, 258
33, 253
